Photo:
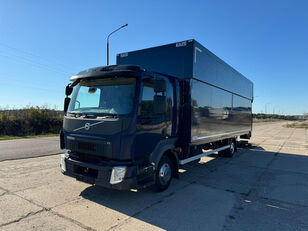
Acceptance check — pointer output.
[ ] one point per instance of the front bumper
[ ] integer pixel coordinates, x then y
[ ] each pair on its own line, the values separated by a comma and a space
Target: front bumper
99, 174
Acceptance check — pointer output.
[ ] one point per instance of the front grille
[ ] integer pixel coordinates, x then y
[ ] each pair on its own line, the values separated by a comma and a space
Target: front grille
86, 146
94, 147
89, 158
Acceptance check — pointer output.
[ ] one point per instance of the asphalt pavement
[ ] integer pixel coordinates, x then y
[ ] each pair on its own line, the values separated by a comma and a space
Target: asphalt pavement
30, 147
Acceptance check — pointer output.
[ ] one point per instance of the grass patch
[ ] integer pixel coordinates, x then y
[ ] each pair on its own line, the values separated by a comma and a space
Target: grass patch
303, 124
24, 137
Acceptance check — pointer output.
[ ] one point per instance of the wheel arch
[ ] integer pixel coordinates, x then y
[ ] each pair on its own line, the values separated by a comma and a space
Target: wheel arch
166, 147
175, 162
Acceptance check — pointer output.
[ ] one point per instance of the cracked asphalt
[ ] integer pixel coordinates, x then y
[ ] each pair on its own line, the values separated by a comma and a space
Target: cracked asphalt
263, 187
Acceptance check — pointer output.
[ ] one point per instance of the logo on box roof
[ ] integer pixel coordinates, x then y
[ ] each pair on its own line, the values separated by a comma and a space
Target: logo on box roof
122, 55
181, 44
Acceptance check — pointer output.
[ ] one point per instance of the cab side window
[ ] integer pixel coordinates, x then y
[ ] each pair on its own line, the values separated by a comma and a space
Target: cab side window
156, 102
147, 102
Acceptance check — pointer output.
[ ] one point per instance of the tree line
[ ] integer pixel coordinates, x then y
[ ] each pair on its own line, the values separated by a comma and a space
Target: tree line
275, 116
30, 121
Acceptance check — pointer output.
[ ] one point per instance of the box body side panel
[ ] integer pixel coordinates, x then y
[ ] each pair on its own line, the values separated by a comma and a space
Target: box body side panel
211, 69
217, 114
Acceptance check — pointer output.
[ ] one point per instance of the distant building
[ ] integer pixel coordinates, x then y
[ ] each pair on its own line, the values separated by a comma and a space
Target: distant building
299, 117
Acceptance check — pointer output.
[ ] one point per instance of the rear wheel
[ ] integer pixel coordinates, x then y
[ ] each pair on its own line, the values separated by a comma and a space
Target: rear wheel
229, 152
163, 174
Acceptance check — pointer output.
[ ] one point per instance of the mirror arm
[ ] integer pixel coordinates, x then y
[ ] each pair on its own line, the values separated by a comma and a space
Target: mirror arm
69, 87
73, 84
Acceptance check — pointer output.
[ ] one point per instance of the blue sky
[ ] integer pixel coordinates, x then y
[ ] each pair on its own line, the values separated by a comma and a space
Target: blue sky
42, 43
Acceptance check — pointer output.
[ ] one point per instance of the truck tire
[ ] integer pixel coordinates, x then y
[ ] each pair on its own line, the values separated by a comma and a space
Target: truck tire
230, 151
163, 174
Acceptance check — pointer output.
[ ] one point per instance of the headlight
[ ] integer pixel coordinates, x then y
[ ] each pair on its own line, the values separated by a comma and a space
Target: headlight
117, 175
62, 164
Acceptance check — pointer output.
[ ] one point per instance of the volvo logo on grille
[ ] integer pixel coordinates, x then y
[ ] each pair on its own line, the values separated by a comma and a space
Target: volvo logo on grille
87, 126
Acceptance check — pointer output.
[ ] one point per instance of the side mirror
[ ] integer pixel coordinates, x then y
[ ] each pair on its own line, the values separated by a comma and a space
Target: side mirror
160, 85
160, 104
66, 103
68, 90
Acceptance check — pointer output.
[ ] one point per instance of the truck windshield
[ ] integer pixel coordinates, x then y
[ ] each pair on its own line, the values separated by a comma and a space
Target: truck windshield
107, 96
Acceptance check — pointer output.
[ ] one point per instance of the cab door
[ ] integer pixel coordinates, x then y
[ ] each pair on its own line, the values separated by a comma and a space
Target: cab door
154, 120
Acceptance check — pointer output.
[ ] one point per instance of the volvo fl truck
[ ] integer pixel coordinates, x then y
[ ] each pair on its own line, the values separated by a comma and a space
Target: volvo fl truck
133, 124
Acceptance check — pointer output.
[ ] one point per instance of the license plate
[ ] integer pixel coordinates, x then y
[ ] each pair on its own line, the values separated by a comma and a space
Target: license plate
85, 179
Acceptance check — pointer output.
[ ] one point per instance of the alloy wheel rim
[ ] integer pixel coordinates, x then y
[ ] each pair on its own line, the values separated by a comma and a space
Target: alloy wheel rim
164, 173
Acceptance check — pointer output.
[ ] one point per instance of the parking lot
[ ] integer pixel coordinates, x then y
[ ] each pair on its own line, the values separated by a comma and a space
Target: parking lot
263, 187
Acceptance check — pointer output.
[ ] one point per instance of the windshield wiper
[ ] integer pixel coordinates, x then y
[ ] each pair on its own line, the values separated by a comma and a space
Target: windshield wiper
73, 114
92, 116
109, 116
83, 115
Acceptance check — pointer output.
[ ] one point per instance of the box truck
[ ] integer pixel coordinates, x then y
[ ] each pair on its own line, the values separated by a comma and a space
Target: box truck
133, 124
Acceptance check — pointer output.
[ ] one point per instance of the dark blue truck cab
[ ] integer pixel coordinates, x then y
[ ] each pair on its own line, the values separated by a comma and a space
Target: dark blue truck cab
132, 124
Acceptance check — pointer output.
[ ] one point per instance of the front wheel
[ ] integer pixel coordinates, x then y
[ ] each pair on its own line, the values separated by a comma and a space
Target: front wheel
163, 174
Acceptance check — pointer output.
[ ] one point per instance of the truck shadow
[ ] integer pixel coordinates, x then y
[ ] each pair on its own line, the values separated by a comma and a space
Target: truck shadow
185, 205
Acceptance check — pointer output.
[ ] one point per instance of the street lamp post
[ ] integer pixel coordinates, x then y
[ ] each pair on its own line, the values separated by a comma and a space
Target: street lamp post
108, 41
266, 107
274, 108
